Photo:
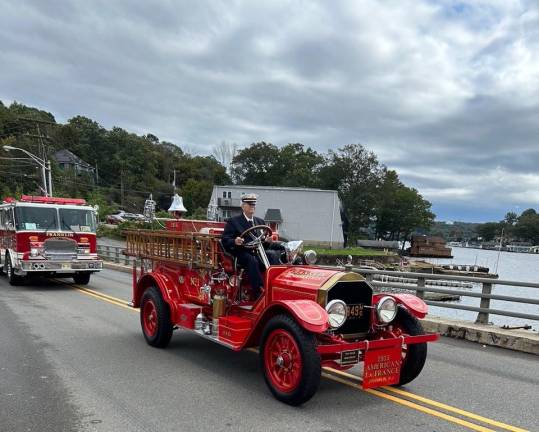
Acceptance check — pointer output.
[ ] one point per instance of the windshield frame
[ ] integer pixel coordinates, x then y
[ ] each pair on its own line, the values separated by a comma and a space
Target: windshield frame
92, 228
21, 225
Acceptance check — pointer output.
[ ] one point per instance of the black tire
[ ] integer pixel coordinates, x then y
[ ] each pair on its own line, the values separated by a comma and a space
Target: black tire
415, 354
11, 276
82, 278
162, 333
309, 379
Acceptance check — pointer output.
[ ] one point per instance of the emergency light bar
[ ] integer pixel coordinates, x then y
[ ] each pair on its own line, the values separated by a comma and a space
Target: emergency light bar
51, 200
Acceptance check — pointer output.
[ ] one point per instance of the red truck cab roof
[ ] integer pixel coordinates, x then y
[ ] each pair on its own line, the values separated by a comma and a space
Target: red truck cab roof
46, 200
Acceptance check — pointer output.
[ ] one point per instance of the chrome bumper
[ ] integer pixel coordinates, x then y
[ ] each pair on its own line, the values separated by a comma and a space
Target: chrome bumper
33, 266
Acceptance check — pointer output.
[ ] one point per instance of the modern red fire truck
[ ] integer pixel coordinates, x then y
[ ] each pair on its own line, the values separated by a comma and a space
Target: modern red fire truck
48, 236
307, 317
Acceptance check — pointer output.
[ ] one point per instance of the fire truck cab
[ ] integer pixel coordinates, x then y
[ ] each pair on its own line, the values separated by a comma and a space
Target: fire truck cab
48, 236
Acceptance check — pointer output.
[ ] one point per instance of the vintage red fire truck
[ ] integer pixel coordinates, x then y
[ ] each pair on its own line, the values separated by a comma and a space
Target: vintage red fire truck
48, 236
307, 318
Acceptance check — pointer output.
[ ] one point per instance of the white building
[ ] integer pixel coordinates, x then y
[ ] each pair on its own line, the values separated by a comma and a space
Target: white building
312, 215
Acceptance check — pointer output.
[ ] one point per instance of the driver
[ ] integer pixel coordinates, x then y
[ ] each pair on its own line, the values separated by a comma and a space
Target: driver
233, 243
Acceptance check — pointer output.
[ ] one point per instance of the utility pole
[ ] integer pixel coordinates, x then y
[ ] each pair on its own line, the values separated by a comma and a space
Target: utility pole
50, 177
43, 161
122, 188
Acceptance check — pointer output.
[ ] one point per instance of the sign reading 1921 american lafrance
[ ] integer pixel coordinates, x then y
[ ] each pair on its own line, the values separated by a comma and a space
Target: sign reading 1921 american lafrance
382, 367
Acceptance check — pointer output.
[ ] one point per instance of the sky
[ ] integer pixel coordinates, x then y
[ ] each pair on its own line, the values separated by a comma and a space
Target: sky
444, 92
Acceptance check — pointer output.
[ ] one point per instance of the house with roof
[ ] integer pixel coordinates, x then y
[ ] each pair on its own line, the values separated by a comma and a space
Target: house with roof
70, 161
312, 215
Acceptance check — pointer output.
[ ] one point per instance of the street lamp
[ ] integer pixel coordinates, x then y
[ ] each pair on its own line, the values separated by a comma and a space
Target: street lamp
45, 166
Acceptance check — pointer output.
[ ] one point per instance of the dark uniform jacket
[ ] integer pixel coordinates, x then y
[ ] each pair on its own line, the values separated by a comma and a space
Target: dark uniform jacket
233, 228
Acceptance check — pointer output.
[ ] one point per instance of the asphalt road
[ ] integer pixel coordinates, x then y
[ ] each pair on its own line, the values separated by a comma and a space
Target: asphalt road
71, 360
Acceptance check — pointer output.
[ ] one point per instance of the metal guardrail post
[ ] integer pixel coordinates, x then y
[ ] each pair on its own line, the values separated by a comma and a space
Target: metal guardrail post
421, 287
117, 256
482, 317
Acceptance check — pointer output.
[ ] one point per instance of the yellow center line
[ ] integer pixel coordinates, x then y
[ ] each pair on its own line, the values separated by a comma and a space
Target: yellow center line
455, 410
436, 404
122, 303
116, 303
412, 405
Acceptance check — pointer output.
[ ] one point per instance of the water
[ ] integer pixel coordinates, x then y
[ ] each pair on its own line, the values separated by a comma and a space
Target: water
511, 266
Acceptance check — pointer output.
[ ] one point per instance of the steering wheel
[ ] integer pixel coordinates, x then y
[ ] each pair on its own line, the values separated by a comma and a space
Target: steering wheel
256, 239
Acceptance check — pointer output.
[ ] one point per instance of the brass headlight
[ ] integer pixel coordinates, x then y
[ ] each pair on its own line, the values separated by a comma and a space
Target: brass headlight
386, 309
336, 310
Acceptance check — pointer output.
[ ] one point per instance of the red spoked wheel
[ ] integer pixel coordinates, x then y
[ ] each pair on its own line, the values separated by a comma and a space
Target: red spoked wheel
149, 318
413, 356
155, 318
283, 360
291, 364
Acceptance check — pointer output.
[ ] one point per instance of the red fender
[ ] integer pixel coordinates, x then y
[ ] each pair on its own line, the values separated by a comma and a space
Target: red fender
309, 314
163, 283
413, 303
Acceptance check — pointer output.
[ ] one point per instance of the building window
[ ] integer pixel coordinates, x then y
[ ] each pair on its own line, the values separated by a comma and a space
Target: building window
224, 194
230, 194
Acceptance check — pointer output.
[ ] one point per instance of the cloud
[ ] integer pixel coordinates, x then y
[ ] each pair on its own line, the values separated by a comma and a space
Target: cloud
447, 88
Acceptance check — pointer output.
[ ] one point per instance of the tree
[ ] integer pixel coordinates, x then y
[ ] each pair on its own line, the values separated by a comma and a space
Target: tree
400, 210
356, 174
489, 230
296, 166
527, 226
256, 165
196, 194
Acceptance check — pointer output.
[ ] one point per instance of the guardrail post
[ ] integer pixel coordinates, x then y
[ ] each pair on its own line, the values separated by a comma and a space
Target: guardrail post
117, 255
107, 253
482, 317
127, 259
421, 287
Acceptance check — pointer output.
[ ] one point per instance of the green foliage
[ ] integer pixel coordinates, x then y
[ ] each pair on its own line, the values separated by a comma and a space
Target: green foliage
488, 231
265, 164
256, 165
199, 214
196, 194
129, 167
400, 210
357, 175
527, 226
96, 198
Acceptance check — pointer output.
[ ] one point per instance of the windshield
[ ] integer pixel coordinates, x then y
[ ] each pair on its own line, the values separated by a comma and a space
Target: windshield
77, 220
36, 218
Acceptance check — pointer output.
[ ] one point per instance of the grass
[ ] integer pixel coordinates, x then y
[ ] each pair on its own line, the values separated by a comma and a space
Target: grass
356, 251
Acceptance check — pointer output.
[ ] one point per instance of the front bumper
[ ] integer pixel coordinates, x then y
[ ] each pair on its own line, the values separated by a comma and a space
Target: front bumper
73, 266
383, 359
366, 345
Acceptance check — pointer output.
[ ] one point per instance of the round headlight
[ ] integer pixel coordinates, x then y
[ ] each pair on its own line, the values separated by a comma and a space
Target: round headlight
34, 252
310, 257
386, 309
336, 310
